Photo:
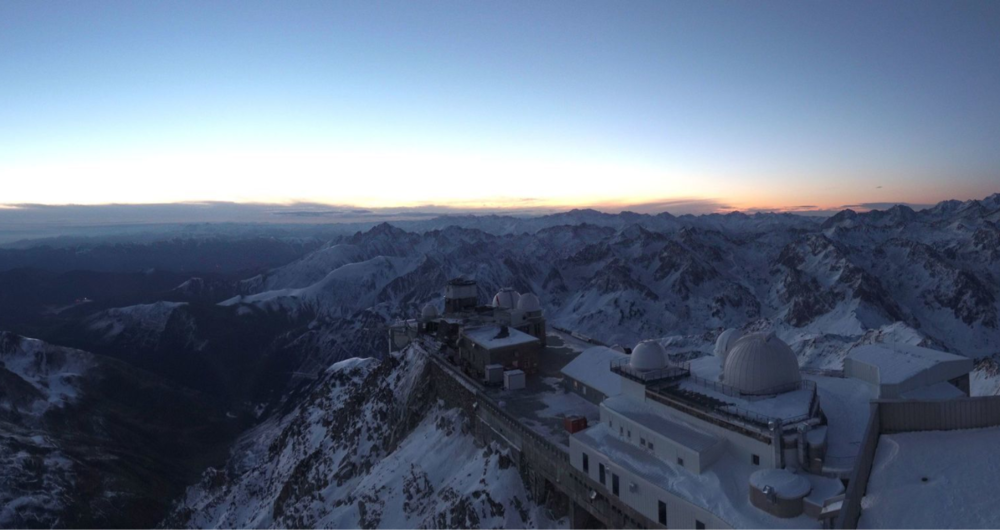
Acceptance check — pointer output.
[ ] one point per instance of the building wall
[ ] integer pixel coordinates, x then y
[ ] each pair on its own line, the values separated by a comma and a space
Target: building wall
941, 372
521, 356
664, 448
645, 496
741, 446
588, 392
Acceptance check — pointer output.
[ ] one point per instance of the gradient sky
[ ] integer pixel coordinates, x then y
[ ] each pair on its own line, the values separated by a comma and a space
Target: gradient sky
499, 103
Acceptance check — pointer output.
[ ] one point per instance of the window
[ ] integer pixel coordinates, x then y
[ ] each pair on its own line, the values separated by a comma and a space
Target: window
614, 484
630, 434
680, 461
586, 464
600, 473
662, 514
642, 442
649, 445
699, 525
755, 459
621, 431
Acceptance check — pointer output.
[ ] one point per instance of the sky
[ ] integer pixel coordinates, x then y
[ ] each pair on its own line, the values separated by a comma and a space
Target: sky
500, 105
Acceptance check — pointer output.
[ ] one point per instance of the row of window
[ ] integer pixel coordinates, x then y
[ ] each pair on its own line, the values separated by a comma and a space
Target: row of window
616, 491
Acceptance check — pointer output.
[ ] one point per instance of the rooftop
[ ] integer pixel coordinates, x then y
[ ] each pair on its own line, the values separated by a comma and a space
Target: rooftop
899, 362
593, 368
934, 479
681, 433
489, 337
722, 489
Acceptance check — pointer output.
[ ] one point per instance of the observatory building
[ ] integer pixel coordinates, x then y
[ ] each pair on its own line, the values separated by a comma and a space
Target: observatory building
669, 433
509, 332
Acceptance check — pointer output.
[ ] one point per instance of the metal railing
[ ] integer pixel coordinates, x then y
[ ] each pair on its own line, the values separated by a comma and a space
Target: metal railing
767, 393
731, 411
622, 367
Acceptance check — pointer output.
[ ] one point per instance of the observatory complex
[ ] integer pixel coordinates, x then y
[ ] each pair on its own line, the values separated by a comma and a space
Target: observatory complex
741, 437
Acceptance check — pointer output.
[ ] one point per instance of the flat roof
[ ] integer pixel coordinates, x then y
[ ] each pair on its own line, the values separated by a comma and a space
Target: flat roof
486, 337
934, 479
899, 362
593, 368
723, 489
681, 433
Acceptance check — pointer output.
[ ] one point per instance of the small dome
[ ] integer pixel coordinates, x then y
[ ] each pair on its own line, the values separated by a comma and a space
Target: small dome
761, 363
506, 298
528, 303
428, 312
648, 355
725, 342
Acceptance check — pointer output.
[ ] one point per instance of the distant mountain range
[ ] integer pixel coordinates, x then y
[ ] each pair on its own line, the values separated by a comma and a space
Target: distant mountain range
243, 332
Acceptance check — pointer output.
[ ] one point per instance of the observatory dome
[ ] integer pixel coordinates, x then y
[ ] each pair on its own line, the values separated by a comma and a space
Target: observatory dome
506, 298
648, 355
429, 312
761, 363
725, 342
528, 303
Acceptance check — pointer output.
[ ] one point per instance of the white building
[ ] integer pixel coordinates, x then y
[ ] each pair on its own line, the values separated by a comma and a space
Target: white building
683, 448
902, 371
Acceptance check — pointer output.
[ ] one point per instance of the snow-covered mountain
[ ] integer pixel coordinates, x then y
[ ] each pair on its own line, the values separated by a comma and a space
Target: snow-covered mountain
626, 277
369, 446
341, 441
87, 441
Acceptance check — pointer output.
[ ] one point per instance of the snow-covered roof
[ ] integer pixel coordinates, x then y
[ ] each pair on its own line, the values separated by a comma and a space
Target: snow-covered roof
593, 368
489, 337
722, 489
897, 363
680, 433
759, 363
919, 478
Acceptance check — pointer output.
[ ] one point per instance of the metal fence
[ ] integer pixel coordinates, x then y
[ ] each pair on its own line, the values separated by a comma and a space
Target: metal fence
622, 367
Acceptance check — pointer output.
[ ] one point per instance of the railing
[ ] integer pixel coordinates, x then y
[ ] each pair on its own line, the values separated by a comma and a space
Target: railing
622, 367
767, 393
735, 413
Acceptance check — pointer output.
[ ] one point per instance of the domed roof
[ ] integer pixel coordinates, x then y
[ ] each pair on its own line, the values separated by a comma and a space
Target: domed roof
761, 363
648, 355
528, 302
725, 342
506, 298
428, 312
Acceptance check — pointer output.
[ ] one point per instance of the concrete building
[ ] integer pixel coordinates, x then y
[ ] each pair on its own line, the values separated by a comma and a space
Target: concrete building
682, 448
902, 371
460, 295
521, 312
586, 375
492, 344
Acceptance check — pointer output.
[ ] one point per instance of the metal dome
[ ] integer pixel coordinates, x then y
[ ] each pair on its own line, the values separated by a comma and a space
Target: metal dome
428, 312
725, 342
506, 298
528, 303
648, 355
761, 363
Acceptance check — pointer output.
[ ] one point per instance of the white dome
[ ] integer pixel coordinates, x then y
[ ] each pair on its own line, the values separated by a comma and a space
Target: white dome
648, 355
428, 312
761, 363
528, 303
725, 342
506, 298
